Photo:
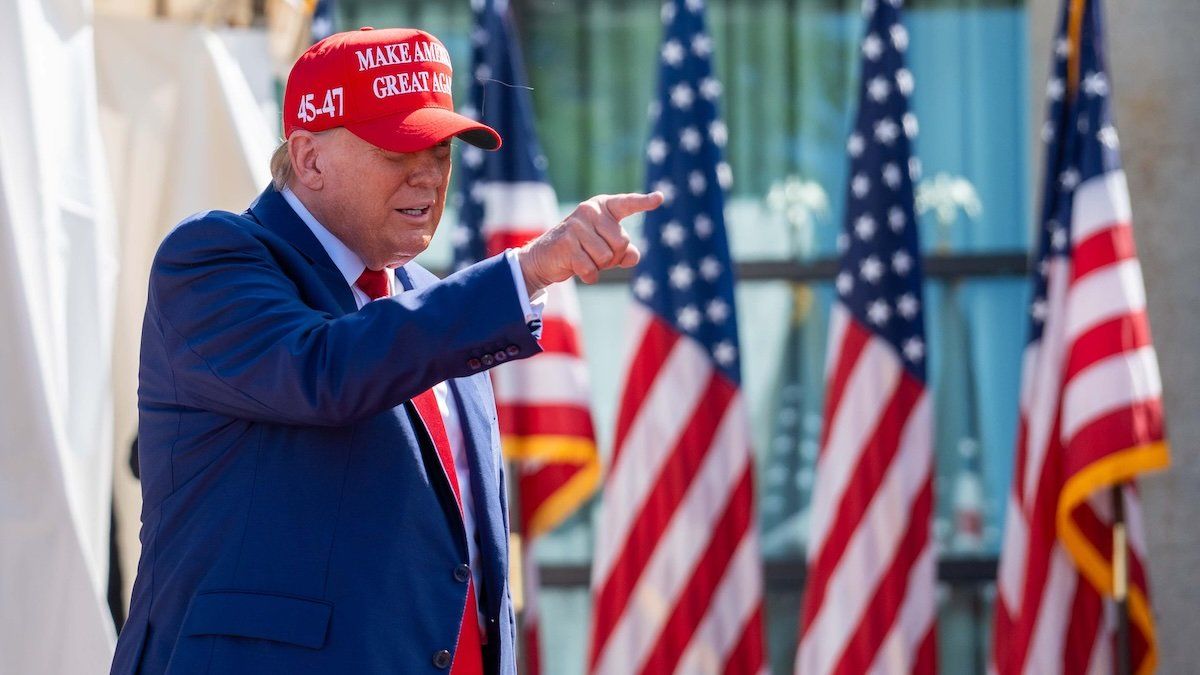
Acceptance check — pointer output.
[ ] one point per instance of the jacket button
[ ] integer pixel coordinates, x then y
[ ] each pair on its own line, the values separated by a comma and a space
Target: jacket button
513, 350
442, 659
462, 573
473, 364
501, 356
487, 359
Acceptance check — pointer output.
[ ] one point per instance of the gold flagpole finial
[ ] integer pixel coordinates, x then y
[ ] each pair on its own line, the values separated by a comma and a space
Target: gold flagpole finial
1074, 39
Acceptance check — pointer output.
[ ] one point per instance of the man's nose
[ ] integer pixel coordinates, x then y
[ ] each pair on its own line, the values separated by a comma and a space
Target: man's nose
426, 169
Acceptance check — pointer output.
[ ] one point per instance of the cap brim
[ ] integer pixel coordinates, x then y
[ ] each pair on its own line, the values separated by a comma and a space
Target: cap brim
422, 128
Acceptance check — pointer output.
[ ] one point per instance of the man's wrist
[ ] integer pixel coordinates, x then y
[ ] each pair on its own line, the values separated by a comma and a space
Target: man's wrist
533, 285
532, 303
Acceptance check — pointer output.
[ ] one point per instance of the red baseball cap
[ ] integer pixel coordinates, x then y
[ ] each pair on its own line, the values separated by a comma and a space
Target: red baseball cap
389, 87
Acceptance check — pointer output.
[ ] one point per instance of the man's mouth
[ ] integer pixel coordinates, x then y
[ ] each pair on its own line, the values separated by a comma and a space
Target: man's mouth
415, 212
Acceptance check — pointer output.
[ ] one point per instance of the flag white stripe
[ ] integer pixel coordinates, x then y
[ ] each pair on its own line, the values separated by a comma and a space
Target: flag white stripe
561, 379
1099, 203
1029, 360
516, 206
734, 604
682, 544
871, 547
839, 321
562, 301
898, 651
875, 376
1053, 615
1011, 575
660, 421
1133, 521
1115, 382
1106, 293
1101, 661
1046, 379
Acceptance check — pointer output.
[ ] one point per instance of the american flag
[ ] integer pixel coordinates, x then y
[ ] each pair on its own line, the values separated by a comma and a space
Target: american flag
676, 579
543, 402
870, 603
1091, 398
323, 14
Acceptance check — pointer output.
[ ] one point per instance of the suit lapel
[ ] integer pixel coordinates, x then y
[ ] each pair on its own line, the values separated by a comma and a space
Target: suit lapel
475, 418
273, 212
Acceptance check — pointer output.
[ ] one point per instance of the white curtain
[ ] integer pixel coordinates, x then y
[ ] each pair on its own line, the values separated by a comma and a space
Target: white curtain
189, 121
57, 293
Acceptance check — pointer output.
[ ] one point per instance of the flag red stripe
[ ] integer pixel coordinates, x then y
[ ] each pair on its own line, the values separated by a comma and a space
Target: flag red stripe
745, 657
502, 240
540, 484
1130, 426
1003, 656
926, 661
1083, 628
1042, 536
541, 419
1097, 532
560, 336
532, 652
696, 596
1101, 249
1021, 459
874, 462
650, 354
854, 341
1115, 336
889, 596
673, 480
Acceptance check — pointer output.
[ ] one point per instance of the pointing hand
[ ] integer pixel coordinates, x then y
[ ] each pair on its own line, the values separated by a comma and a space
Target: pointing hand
586, 242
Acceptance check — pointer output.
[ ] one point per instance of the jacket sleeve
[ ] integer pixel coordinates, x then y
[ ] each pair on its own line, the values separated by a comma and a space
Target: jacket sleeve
240, 341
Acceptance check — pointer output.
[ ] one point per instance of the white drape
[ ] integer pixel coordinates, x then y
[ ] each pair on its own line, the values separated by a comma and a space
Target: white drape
57, 293
189, 120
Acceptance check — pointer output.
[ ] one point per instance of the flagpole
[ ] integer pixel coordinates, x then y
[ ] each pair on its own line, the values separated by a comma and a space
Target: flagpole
1121, 580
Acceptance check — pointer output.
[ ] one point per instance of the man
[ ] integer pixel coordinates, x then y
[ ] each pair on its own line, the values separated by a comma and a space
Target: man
323, 489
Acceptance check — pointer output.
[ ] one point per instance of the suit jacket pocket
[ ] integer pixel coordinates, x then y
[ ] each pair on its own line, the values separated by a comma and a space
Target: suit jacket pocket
254, 614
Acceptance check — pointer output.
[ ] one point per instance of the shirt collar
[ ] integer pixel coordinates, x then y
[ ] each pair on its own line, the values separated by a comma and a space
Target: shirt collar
348, 263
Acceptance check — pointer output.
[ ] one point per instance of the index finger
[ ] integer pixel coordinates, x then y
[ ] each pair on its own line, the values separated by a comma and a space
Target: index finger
625, 205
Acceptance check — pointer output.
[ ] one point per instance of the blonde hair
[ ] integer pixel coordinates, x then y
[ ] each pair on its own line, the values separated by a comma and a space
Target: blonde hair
281, 166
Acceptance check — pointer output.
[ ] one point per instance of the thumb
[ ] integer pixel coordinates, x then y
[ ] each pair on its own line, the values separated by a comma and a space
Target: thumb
625, 205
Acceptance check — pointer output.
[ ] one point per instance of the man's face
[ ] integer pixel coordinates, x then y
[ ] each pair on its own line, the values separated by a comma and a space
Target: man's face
384, 205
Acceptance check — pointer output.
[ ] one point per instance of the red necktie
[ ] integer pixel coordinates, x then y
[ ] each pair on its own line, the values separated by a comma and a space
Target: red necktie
374, 283
468, 655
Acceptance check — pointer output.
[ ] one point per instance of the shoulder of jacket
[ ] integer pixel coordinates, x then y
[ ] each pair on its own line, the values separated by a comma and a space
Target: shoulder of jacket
420, 276
210, 231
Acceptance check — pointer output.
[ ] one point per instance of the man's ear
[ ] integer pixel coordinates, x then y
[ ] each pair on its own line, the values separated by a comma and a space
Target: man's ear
304, 149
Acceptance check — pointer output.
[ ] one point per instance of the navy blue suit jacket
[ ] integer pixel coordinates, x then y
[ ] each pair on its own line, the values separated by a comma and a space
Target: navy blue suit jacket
295, 519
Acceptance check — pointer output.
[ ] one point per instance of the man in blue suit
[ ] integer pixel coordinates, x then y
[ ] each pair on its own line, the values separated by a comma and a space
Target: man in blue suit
322, 484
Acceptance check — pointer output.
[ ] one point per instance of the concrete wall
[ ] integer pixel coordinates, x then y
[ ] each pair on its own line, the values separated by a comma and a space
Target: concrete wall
1154, 62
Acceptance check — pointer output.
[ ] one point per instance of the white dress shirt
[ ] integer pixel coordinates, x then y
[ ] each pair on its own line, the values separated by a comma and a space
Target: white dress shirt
351, 266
